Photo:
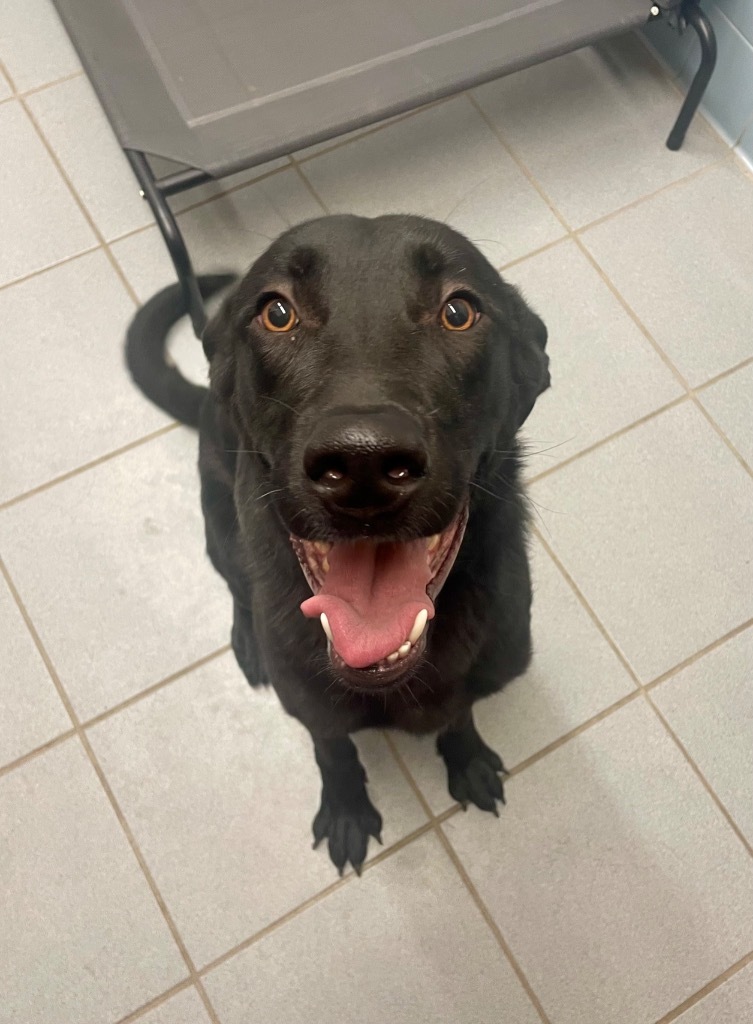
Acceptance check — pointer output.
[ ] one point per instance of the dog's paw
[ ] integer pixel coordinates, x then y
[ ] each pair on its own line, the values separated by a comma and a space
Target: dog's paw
347, 828
478, 781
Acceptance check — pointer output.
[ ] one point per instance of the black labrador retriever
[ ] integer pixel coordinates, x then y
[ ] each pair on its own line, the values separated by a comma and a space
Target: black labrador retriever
360, 486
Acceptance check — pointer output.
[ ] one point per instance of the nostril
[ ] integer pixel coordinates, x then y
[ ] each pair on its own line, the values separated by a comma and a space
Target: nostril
326, 468
403, 468
331, 476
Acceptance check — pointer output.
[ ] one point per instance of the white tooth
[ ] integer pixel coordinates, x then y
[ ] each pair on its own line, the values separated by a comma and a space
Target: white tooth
403, 649
392, 658
325, 626
325, 564
418, 626
432, 543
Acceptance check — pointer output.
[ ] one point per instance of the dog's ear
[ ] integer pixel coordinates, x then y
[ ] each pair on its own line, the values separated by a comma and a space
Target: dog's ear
529, 361
217, 341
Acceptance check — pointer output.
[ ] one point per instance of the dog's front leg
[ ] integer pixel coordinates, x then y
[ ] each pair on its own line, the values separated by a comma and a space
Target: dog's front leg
346, 817
473, 770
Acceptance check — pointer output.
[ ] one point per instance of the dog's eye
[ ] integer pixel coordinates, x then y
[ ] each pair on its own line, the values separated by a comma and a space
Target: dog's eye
458, 314
278, 315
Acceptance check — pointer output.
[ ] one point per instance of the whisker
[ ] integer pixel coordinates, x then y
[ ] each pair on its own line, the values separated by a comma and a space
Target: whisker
542, 451
275, 490
467, 195
278, 401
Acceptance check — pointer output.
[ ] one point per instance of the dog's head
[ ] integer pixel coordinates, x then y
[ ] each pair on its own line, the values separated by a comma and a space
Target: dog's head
372, 366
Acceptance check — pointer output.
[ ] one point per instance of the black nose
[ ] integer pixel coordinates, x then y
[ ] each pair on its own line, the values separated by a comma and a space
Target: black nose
364, 462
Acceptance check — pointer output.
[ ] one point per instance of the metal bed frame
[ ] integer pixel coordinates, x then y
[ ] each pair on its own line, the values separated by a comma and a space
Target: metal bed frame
209, 84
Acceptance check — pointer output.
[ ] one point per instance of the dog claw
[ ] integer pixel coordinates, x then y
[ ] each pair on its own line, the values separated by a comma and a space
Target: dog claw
477, 780
347, 829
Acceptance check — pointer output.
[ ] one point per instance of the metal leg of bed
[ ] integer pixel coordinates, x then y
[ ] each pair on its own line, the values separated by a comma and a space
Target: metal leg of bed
156, 193
694, 16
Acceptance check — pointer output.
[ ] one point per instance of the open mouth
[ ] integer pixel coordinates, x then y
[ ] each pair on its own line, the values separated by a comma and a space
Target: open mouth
375, 599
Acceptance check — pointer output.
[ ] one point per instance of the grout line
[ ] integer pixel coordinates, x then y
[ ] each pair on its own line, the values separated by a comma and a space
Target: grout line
70, 77
32, 754
702, 778
155, 687
308, 186
40, 646
9, 77
450, 812
221, 194
49, 266
724, 374
690, 176
535, 252
84, 740
409, 776
690, 395
268, 929
338, 142
706, 990
533, 759
153, 1004
606, 440
698, 655
575, 233
253, 180
519, 163
575, 236
317, 898
492, 924
586, 605
80, 203
632, 314
15, 95
177, 938
707, 415
107, 457
649, 698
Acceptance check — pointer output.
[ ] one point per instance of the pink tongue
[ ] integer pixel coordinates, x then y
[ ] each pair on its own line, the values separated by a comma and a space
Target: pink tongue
371, 596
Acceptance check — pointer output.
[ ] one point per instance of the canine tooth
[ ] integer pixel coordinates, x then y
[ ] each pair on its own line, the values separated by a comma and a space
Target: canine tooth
418, 626
392, 658
325, 626
403, 649
432, 543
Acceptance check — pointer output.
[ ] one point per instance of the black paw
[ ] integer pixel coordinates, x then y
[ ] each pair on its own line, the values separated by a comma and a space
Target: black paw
348, 829
478, 781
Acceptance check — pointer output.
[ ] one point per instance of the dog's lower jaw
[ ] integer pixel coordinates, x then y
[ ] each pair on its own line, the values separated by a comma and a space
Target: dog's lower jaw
382, 678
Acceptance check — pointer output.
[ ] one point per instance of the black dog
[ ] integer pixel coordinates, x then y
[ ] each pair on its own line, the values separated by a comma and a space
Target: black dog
358, 444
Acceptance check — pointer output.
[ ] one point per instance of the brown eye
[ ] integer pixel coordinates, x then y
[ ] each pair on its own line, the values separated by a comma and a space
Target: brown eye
458, 314
278, 315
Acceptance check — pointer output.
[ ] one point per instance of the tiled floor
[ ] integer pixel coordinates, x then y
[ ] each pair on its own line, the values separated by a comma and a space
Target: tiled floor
155, 812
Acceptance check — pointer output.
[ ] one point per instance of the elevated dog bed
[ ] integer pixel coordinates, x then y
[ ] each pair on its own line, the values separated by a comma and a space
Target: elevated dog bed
219, 86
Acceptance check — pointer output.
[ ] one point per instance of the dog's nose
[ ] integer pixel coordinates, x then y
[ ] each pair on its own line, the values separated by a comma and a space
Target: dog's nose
366, 462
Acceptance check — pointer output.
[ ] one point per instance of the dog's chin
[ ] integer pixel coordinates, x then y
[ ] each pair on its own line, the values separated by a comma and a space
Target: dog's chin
380, 678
